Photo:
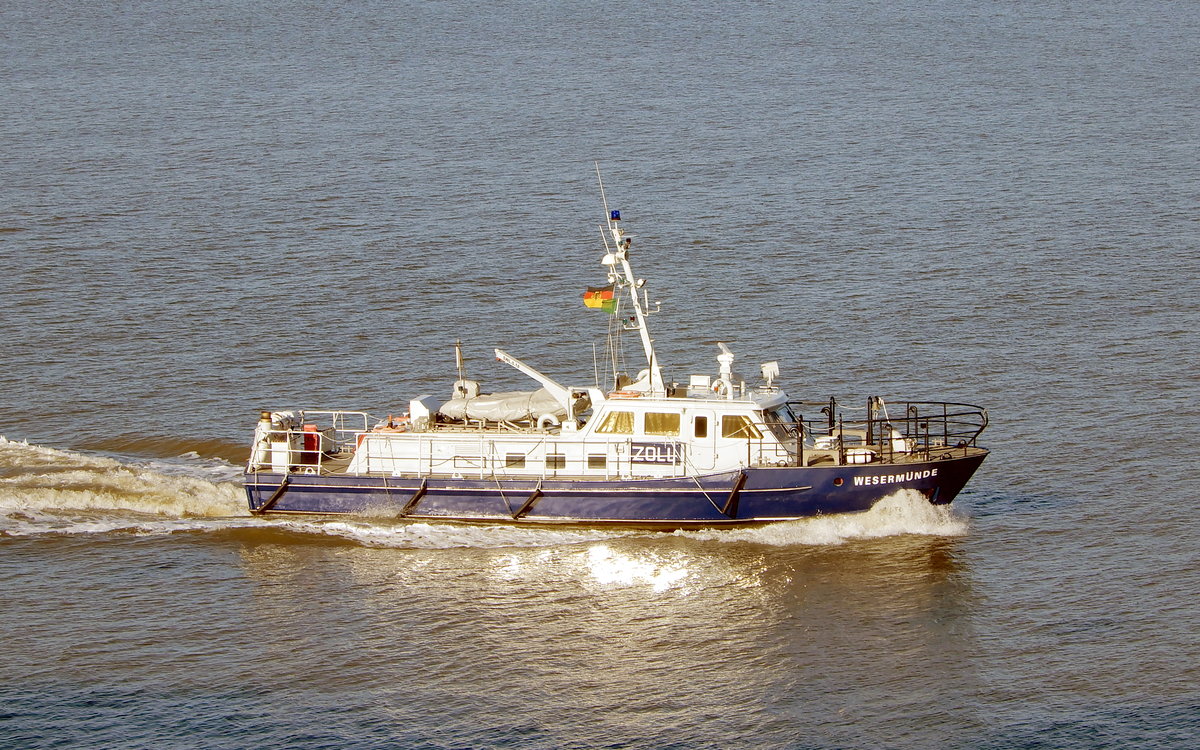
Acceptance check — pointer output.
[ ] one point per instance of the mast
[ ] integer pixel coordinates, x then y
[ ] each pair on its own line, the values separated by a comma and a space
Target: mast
621, 274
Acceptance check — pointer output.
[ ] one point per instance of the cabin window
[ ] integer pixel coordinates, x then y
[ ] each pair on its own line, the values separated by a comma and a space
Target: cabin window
658, 423
598, 462
617, 422
738, 426
514, 461
556, 461
777, 423
700, 427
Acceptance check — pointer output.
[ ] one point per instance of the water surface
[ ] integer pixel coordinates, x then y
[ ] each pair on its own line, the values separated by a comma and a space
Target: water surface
213, 208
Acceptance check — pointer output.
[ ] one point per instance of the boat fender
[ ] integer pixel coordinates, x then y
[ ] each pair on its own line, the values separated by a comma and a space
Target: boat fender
546, 420
859, 456
624, 394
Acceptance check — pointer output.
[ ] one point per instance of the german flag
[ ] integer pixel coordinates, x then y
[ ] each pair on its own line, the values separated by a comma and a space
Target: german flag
600, 298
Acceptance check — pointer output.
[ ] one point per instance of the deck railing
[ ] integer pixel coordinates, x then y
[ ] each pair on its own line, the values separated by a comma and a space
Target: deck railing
319, 442
886, 432
307, 441
486, 457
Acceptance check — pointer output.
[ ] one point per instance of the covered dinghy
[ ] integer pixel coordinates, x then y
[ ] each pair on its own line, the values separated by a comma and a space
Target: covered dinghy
552, 400
510, 406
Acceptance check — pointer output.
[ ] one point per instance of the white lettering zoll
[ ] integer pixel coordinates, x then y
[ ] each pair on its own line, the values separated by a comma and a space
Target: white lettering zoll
653, 453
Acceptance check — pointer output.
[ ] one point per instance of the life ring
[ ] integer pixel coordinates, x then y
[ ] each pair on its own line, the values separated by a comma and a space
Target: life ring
721, 387
397, 424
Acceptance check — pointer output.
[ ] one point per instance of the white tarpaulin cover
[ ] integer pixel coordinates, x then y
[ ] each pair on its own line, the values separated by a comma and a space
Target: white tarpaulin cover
511, 406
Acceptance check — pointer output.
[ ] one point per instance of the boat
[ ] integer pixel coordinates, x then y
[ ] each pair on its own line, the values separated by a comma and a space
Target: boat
636, 450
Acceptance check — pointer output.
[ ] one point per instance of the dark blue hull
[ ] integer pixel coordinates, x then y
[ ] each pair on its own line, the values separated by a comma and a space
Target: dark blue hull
749, 496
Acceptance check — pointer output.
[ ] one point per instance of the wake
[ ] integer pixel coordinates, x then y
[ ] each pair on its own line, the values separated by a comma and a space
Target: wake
51, 491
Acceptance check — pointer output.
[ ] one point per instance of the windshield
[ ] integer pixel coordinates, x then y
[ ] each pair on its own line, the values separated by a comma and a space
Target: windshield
779, 420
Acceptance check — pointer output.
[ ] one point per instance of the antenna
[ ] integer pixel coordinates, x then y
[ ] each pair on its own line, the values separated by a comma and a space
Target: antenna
602, 198
616, 259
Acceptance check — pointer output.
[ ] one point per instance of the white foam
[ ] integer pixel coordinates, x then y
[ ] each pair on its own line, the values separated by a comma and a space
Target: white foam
432, 535
59, 523
193, 465
50, 491
46, 490
902, 512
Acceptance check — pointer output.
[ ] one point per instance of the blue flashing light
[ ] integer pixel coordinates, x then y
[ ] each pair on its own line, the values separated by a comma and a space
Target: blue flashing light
614, 215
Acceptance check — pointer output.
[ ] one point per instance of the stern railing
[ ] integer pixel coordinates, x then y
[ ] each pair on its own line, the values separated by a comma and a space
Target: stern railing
305, 441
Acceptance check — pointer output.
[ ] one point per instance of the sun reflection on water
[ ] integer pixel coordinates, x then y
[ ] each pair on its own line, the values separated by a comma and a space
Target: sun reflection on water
608, 566
677, 567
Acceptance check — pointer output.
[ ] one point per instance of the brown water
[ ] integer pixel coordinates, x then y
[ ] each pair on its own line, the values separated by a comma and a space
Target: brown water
209, 209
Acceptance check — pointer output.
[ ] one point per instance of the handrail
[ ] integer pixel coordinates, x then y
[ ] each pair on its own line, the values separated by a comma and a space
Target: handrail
488, 457
305, 450
906, 431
